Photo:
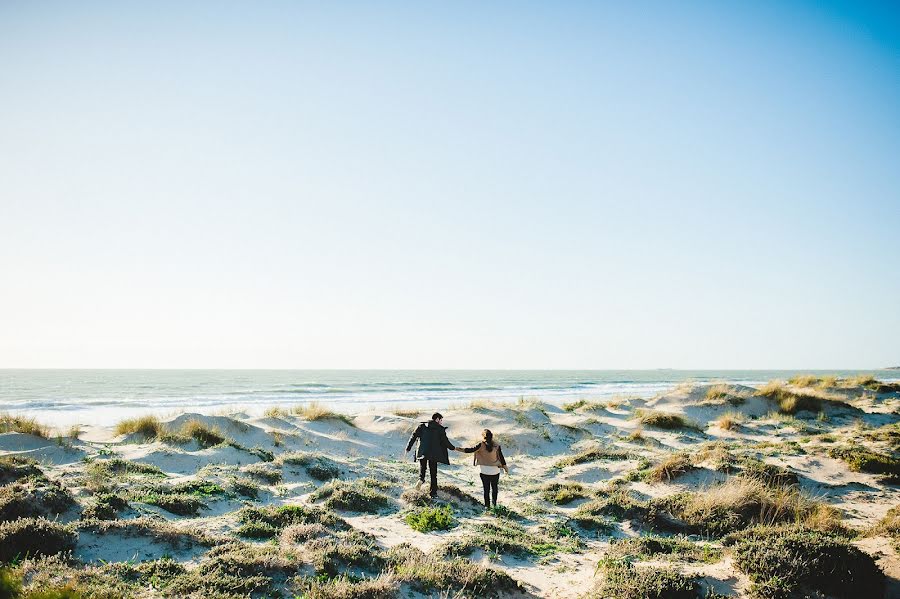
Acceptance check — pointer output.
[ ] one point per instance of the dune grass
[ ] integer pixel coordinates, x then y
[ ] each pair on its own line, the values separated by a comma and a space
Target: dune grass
730, 420
149, 426
314, 410
860, 459
562, 493
11, 423
737, 504
663, 420
592, 455
623, 580
670, 468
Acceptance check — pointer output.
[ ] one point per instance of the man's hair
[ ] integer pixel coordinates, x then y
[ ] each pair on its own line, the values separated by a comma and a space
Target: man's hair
436, 416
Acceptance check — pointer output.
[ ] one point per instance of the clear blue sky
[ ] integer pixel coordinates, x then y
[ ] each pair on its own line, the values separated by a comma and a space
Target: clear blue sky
450, 185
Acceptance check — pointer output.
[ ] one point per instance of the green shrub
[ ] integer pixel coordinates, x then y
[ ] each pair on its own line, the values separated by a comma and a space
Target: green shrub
263, 472
318, 467
281, 517
506, 537
768, 474
352, 549
653, 547
345, 587
33, 497
119, 467
175, 503
13, 468
860, 459
33, 537
437, 574
563, 493
622, 580
105, 506
797, 562
360, 495
429, 519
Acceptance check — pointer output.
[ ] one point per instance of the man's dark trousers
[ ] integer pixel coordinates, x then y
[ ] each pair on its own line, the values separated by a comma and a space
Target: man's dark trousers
432, 467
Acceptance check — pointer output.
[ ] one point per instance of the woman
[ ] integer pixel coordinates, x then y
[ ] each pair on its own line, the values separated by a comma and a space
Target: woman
489, 458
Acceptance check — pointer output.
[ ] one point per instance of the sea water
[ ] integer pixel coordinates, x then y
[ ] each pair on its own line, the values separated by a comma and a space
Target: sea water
63, 397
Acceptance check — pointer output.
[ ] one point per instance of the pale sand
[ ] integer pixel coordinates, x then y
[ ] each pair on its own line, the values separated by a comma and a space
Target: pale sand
534, 437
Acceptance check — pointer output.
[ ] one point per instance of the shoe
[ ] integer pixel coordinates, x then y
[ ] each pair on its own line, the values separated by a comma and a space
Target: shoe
419, 484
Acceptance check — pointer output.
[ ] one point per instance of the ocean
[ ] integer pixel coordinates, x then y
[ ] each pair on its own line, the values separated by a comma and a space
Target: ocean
102, 397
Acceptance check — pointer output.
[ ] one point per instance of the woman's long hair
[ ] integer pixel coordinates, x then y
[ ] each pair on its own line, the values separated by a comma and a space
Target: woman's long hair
488, 438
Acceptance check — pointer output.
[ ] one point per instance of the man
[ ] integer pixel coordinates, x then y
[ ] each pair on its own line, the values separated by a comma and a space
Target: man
433, 446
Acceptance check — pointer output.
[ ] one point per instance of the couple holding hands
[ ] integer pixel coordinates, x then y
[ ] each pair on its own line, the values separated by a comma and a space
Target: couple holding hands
433, 446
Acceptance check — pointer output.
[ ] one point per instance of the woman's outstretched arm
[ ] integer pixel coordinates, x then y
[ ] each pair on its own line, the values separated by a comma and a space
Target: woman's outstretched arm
468, 449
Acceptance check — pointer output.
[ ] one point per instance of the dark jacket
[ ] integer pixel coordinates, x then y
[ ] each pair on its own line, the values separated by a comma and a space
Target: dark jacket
500, 457
433, 442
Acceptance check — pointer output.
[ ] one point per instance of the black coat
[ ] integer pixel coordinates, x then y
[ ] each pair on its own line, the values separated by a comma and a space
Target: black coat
433, 442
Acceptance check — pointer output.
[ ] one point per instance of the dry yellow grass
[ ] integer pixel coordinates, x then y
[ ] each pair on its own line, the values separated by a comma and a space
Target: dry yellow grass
670, 468
148, 426
718, 392
315, 411
23, 424
275, 412
730, 420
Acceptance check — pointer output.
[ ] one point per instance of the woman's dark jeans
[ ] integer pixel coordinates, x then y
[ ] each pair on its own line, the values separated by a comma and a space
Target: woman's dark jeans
490, 483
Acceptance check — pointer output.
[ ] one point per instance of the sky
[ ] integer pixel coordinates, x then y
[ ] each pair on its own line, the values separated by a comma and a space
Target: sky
449, 184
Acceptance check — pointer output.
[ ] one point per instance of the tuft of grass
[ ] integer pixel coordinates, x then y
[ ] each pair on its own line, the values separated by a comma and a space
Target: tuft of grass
796, 562
10, 423
730, 420
31, 537
361, 495
663, 420
737, 504
318, 467
437, 575
768, 474
612, 504
204, 435
180, 504
563, 493
315, 411
263, 472
670, 468
428, 519
105, 506
718, 392
592, 455
507, 537
149, 426
275, 519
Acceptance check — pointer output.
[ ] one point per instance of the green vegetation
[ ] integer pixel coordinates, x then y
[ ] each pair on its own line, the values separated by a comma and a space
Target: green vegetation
623, 580
428, 519
266, 473
434, 574
655, 547
346, 587
106, 506
179, 504
318, 467
860, 459
273, 520
117, 467
592, 455
506, 537
13, 468
360, 495
768, 474
563, 493
791, 562
204, 435
32, 497
33, 537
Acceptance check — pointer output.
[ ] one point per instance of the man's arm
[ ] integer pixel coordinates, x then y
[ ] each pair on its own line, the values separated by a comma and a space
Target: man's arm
413, 437
446, 441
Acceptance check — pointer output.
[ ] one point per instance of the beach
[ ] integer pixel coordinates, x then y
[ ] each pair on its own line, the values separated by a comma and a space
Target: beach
602, 496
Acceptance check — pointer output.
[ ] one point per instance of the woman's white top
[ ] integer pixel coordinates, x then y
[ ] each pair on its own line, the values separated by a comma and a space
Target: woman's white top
489, 470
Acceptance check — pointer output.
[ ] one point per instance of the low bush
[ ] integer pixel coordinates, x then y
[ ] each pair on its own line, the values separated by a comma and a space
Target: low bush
768, 474
33, 497
179, 504
655, 547
506, 537
33, 537
429, 519
13, 468
435, 574
278, 518
563, 493
345, 587
795, 562
106, 506
318, 467
860, 459
351, 549
623, 580
266, 473
360, 495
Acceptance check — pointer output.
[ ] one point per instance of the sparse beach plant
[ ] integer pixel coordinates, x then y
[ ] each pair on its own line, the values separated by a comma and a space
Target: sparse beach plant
205, 436
428, 519
563, 493
663, 420
623, 580
314, 410
264, 472
11, 423
860, 459
592, 455
148, 426
670, 468
730, 420
31, 537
